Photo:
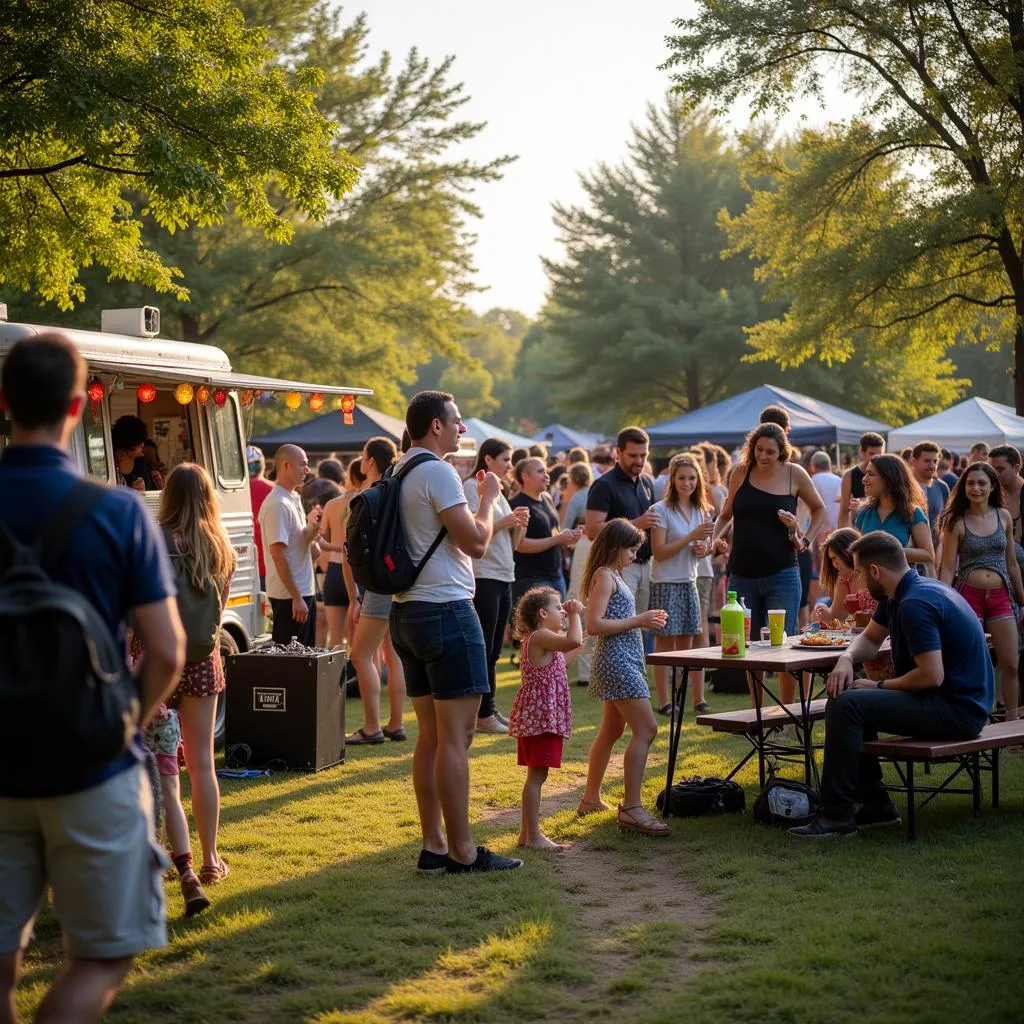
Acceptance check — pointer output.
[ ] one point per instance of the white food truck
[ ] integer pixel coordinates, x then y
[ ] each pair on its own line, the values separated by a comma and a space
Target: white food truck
134, 371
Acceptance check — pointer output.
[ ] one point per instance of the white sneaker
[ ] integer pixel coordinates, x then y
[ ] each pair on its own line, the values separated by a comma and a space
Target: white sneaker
491, 725
500, 717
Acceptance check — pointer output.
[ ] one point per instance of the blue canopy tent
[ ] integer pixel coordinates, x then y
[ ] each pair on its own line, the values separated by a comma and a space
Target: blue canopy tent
728, 422
329, 432
561, 438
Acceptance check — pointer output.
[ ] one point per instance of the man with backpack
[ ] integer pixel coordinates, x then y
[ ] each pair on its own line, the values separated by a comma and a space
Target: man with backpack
76, 809
437, 634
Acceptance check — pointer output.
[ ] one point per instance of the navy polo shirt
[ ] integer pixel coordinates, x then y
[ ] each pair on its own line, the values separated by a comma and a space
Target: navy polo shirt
622, 497
926, 615
116, 557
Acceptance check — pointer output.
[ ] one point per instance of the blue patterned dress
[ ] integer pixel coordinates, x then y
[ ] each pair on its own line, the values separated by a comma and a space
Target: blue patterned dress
619, 671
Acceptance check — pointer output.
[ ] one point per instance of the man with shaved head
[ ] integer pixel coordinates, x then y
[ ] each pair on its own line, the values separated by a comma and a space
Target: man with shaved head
290, 547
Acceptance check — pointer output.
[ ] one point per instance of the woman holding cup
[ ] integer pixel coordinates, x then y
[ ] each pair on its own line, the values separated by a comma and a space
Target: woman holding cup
761, 505
680, 537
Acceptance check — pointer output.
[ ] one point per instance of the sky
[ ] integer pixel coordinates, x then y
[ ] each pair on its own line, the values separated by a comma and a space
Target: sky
559, 83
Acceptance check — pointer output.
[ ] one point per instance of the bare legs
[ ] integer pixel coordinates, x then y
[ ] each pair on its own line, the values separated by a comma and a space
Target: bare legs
529, 830
1004, 641
639, 716
661, 672
197, 719
336, 621
371, 634
440, 773
81, 993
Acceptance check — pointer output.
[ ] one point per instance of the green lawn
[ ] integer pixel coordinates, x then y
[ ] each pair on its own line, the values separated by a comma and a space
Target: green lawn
324, 920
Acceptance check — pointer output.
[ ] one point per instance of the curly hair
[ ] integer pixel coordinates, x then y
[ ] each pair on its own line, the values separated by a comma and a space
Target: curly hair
528, 609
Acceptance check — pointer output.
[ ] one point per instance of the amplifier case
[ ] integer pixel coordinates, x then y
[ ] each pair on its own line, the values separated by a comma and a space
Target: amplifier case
287, 707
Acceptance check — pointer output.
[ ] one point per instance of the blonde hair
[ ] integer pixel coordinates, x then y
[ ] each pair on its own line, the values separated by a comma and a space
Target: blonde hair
188, 508
701, 497
617, 536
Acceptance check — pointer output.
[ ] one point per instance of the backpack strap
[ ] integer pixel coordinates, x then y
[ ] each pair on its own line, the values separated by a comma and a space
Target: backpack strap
419, 460
71, 513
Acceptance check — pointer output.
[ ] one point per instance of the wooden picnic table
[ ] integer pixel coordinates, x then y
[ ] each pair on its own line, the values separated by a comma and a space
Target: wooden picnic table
790, 657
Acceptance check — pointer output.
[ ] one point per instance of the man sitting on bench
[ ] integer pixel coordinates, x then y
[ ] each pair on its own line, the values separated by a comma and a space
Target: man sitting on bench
942, 690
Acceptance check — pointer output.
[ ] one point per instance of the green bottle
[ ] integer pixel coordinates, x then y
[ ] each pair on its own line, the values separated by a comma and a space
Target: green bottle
734, 643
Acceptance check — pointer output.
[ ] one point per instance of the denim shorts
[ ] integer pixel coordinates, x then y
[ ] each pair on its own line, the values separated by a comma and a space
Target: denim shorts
442, 648
780, 590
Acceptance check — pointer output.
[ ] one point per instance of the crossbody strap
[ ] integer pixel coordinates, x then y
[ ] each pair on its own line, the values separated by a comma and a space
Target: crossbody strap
419, 460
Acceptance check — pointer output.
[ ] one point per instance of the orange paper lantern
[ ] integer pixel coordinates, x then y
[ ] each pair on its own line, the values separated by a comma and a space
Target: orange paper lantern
247, 397
184, 393
293, 400
316, 402
348, 405
202, 394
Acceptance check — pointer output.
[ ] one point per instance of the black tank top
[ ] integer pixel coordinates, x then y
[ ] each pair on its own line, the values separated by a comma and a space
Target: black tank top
856, 482
760, 543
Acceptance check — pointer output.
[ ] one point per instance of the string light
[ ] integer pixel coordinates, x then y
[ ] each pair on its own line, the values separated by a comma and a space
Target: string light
184, 393
247, 397
146, 393
220, 397
348, 407
96, 391
202, 394
293, 400
266, 397
316, 402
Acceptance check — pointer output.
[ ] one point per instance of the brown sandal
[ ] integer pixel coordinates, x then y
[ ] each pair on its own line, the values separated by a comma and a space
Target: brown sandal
637, 819
585, 807
211, 874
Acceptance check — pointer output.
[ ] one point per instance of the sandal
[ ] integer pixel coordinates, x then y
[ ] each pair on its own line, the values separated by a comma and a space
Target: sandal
211, 874
637, 819
665, 709
585, 807
395, 735
360, 738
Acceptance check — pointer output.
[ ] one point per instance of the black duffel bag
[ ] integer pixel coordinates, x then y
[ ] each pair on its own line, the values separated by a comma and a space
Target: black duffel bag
696, 797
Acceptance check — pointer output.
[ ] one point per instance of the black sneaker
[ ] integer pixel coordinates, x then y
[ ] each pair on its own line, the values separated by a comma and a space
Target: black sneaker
702, 708
877, 816
582, 682
431, 864
485, 861
821, 827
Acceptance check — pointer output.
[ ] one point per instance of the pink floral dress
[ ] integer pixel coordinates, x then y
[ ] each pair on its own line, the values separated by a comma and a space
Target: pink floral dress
543, 703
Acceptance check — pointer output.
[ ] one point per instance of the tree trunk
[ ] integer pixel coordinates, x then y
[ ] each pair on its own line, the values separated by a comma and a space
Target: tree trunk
190, 327
1018, 362
692, 388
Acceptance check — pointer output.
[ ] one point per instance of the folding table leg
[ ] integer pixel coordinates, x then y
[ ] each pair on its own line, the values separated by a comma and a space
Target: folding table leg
976, 782
911, 803
675, 729
755, 684
995, 778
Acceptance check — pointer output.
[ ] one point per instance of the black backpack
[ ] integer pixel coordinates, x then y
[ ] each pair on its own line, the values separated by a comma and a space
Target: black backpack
68, 703
785, 802
375, 543
693, 798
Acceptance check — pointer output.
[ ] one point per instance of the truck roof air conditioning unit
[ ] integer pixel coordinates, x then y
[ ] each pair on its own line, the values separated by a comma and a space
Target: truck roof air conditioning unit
143, 322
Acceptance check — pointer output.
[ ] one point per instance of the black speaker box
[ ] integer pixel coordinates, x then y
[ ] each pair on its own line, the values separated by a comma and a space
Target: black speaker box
287, 708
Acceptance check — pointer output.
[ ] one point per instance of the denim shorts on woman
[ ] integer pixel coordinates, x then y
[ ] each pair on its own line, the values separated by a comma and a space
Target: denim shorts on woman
442, 648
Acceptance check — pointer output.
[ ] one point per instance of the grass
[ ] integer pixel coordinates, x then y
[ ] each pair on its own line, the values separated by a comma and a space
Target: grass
324, 921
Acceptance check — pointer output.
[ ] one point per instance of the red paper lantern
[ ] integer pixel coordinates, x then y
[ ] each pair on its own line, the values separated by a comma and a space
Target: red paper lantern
96, 391
220, 397
349, 419
316, 402
146, 393
202, 394
348, 405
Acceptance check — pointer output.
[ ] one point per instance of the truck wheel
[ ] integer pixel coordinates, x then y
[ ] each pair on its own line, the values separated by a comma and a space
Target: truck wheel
228, 646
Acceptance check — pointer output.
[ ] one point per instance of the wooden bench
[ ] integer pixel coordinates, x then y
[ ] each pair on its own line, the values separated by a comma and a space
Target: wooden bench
970, 758
745, 723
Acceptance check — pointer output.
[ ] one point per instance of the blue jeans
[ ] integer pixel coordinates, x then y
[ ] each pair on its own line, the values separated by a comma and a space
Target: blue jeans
442, 648
780, 590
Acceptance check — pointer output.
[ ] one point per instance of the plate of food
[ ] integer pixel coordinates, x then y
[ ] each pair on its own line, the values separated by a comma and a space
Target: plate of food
823, 641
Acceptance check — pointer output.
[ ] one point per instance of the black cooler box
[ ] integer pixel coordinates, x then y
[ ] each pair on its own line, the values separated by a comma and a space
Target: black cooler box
288, 708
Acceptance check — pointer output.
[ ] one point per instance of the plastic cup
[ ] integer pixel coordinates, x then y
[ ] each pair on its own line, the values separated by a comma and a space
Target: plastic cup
766, 635
776, 626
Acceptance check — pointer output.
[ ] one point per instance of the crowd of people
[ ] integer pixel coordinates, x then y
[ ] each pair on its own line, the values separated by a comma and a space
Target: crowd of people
582, 559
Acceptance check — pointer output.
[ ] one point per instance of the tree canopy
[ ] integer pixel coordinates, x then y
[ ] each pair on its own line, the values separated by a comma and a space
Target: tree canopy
902, 226
181, 102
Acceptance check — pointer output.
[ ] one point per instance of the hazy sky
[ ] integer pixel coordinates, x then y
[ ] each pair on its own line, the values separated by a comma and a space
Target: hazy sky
559, 83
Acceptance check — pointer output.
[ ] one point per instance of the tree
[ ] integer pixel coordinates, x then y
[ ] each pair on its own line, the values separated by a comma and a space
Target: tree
928, 173
182, 103
375, 289
646, 315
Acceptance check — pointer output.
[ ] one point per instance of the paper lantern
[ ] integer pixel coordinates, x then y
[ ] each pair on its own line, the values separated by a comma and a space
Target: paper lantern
349, 419
202, 394
348, 404
184, 393
266, 397
316, 402
293, 400
220, 398
146, 393
247, 397
95, 391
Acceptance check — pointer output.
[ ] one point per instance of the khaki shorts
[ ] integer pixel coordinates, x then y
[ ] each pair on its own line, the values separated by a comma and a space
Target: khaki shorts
638, 578
95, 849
704, 585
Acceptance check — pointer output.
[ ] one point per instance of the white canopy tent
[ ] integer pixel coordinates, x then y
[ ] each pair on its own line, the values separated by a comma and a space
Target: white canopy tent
479, 430
963, 425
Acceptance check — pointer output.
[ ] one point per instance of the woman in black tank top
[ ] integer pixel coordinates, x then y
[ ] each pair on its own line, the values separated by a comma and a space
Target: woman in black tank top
761, 505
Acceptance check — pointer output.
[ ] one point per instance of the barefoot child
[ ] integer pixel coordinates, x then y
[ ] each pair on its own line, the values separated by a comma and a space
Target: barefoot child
618, 674
541, 716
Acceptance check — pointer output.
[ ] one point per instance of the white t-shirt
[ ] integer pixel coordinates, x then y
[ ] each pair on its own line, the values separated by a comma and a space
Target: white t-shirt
498, 562
828, 486
427, 491
282, 520
678, 522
